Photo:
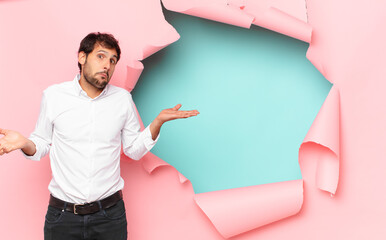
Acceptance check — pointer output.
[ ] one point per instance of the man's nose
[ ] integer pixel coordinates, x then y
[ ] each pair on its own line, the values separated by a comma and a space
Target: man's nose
107, 65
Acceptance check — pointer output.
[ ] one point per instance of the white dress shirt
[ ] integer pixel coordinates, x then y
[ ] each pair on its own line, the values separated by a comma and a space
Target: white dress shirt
83, 136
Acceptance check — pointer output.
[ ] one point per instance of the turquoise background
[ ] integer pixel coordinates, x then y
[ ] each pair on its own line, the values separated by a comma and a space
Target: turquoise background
257, 95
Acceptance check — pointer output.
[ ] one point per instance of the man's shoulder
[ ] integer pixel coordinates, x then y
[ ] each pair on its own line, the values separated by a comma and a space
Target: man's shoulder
119, 91
59, 88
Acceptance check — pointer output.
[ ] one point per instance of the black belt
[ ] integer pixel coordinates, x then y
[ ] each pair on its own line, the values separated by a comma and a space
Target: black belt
87, 208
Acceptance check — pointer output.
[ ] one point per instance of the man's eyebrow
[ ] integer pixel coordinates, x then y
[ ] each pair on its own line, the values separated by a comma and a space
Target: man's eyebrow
107, 53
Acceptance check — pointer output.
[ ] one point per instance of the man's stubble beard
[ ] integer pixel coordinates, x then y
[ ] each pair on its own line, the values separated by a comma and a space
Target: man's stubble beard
93, 80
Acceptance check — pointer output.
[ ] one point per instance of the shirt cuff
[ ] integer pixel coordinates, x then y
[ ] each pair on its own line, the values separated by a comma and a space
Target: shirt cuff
36, 156
148, 138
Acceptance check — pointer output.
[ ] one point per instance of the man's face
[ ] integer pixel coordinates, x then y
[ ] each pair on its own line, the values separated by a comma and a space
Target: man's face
98, 67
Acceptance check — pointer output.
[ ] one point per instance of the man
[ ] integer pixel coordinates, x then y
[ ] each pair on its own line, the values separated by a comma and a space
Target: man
83, 124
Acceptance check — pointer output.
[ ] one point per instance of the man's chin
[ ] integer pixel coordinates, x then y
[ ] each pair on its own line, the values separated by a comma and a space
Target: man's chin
100, 85
102, 82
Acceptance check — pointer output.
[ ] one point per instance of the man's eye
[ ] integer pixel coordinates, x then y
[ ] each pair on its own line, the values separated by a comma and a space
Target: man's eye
112, 61
100, 56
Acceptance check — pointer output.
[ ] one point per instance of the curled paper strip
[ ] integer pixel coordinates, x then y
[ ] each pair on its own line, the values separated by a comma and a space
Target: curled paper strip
151, 162
234, 211
279, 21
324, 138
283, 17
217, 10
134, 70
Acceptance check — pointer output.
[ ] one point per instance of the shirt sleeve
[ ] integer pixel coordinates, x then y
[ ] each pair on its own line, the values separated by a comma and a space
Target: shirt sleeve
136, 143
42, 135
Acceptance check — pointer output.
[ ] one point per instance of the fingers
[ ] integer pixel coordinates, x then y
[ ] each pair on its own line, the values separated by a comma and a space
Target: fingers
174, 113
178, 106
190, 112
186, 114
3, 131
3, 149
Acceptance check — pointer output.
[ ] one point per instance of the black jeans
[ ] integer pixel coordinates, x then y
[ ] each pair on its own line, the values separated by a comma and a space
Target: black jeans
108, 224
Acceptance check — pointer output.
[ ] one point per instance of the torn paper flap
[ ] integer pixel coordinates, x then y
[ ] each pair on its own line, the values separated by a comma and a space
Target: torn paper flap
324, 139
218, 11
238, 210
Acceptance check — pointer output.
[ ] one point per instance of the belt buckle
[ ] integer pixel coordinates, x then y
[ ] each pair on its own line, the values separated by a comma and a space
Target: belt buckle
75, 208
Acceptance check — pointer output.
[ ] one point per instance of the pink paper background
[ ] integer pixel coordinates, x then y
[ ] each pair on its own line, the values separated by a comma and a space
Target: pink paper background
343, 153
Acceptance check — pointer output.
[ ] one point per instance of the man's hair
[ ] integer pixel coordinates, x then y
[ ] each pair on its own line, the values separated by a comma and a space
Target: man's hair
104, 39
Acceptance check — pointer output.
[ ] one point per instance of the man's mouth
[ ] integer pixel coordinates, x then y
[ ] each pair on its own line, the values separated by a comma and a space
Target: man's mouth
104, 75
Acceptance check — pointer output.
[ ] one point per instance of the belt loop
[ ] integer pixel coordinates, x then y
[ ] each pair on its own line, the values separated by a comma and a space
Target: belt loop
100, 205
65, 206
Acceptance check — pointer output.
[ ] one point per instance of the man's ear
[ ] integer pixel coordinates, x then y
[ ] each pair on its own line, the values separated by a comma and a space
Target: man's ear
82, 57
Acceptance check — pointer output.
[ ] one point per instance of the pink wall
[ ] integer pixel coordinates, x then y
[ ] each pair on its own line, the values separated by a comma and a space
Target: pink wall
38, 46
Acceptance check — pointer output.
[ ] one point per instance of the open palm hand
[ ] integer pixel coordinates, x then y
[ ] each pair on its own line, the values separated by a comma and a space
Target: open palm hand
174, 113
11, 141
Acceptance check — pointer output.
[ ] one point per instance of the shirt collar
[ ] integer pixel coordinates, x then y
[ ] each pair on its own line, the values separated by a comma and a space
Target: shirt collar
79, 90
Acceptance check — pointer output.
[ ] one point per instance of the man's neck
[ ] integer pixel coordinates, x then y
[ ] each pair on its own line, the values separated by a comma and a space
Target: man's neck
91, 91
